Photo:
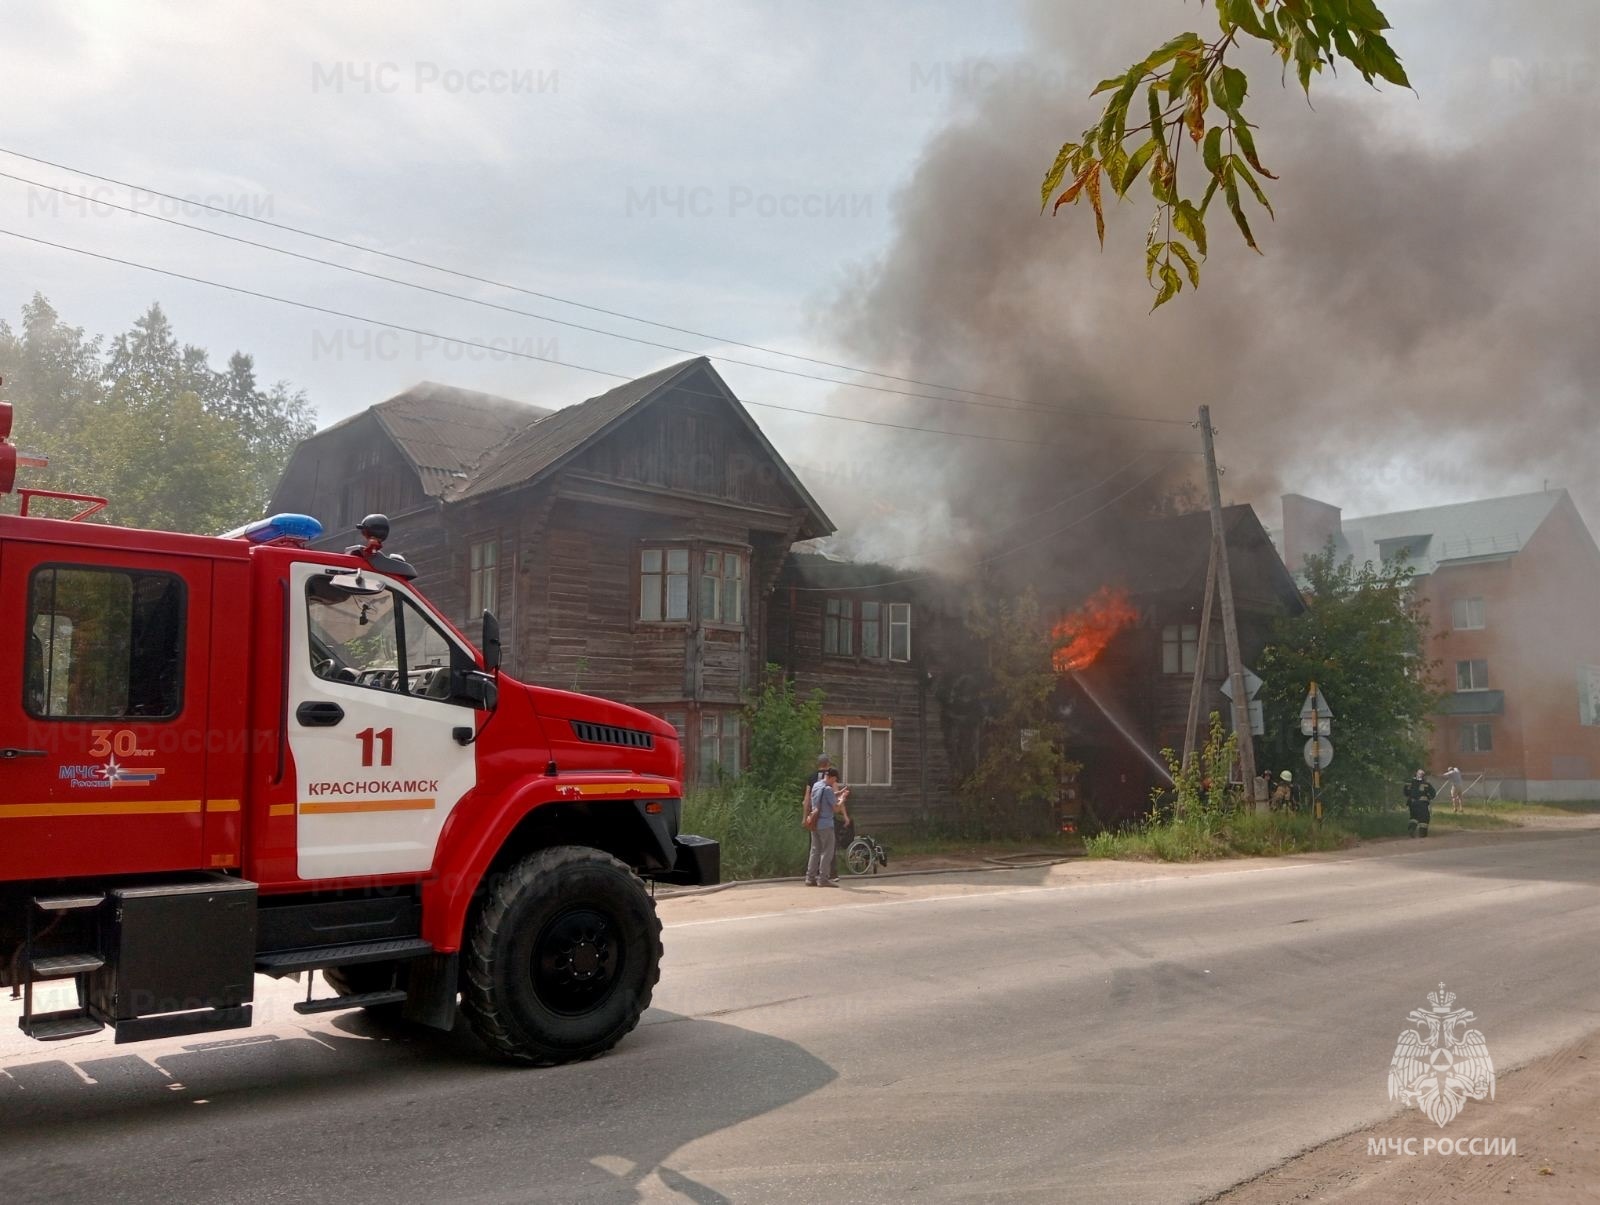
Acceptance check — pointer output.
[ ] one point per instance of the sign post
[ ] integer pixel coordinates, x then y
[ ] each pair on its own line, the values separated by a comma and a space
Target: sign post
1316, 721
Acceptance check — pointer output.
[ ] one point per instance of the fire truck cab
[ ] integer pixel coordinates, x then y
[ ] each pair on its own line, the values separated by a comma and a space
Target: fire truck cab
229, 756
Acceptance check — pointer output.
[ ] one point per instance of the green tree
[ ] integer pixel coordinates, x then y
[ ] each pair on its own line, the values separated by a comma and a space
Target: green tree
146, 422
1018, 774
1193, 91
1363, 639
785, 735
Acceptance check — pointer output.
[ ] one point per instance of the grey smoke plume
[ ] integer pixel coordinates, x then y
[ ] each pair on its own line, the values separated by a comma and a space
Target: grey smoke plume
1422, 328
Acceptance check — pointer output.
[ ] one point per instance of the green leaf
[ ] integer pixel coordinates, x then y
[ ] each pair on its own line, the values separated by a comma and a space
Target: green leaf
1382, 59
1171, 284
1106, 85
1116, 165
1364, 14
1184, 43
1158, 128
1212, 151
1178, 77
1188, 222
1152, 253
1243, 169
1230, 191
1058, 169
1228, 88
1093, 189
1247, 143
1240, 13
1193, 268
1135, 165
1211, 191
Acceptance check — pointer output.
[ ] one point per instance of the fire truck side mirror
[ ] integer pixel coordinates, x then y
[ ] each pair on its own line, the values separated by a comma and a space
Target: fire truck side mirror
491, 642
479, 689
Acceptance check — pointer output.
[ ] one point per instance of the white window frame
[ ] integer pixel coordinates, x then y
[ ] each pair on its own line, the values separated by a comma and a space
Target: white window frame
836, 740
721, 732
483, 576
1473, 684
1467, 614
715, 594
656, 575
899, 622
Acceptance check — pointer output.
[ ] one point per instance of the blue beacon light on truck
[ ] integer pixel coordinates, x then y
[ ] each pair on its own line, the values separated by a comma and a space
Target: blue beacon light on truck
279, 529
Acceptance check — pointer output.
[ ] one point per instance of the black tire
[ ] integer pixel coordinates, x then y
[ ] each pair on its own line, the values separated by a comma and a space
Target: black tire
368, 977
858, 858
561, 958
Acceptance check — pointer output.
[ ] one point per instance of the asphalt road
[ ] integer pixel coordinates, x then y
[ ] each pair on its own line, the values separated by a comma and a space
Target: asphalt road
1154, 1040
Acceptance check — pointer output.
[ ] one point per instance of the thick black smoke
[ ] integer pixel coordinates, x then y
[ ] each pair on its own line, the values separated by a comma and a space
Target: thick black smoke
1422, 328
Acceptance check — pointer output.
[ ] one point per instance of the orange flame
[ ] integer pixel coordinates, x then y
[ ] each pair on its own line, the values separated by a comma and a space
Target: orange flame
1084, 634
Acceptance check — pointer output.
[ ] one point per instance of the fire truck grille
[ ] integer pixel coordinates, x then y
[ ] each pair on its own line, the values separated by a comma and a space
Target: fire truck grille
608, 734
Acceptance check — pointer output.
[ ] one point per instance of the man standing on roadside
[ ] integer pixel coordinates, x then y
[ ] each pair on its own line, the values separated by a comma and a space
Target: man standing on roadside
823, 762
826, 804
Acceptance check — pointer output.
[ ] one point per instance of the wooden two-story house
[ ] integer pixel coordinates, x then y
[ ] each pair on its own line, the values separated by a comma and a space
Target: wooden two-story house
628, 543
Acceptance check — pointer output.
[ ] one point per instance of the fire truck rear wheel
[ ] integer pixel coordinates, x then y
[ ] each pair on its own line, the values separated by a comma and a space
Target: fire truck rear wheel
562, 957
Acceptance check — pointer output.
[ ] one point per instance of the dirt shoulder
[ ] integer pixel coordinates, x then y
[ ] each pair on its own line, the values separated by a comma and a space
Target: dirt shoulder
1551, 1107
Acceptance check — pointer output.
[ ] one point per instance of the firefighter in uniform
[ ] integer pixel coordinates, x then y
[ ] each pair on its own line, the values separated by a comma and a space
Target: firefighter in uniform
1419, 802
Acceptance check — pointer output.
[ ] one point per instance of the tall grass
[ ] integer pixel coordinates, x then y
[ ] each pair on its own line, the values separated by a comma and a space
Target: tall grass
1234, 835
759, 830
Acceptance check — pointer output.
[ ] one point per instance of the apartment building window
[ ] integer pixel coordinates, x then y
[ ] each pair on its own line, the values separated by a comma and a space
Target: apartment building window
722, 588
664, 585
839, 627
1466, 614
1472, 675
1477, 737
862, 749
720, 735
483, 576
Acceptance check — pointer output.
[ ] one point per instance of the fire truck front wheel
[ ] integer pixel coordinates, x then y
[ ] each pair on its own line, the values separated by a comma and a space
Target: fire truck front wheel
561, 958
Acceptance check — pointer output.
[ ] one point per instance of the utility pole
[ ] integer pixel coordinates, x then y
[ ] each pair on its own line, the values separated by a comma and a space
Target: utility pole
1230, 619
1198, 686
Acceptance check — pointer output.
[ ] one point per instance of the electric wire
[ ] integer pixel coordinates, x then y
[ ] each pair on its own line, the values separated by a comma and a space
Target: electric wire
973, 398
525, 355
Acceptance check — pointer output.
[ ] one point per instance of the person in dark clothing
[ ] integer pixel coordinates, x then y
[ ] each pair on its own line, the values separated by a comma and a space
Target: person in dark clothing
1419, 802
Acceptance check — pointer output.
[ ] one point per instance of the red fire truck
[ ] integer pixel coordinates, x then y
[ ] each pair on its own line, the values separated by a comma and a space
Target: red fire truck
229, 756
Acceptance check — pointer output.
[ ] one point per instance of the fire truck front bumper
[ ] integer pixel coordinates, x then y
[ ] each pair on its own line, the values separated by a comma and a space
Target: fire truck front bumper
697, 862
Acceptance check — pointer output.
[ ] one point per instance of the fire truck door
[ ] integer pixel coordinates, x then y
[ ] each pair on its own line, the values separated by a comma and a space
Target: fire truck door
103, 699
372, 725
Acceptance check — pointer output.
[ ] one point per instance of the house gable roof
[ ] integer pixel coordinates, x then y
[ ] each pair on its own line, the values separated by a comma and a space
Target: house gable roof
540, 449
444, 430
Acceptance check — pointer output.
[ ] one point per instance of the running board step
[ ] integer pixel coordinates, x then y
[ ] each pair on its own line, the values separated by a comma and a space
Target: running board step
55, 1027
355, 1000
60, 966
287, 962
69, 903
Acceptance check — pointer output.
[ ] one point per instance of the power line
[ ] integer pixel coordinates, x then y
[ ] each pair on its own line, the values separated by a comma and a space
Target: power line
989, 560
990, 398
1029, 407
523, 355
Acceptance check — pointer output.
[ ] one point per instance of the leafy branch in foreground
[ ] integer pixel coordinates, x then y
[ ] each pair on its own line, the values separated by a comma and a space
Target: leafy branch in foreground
1192, 90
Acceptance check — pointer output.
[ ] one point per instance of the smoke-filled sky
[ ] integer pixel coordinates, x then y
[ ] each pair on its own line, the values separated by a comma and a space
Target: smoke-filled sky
858, 183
